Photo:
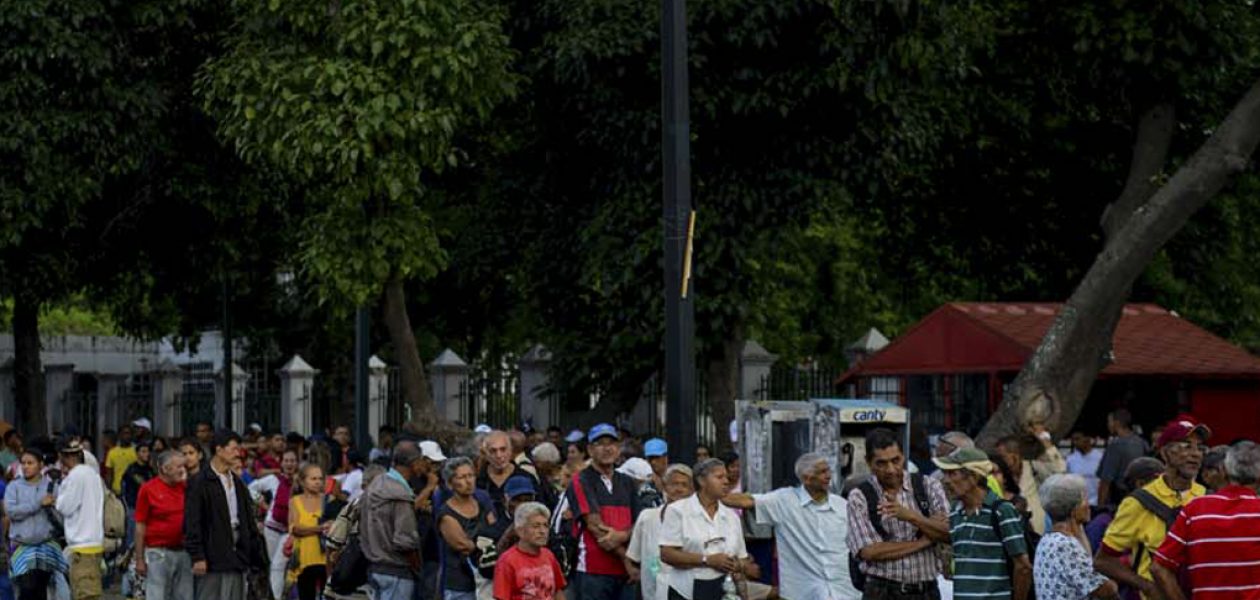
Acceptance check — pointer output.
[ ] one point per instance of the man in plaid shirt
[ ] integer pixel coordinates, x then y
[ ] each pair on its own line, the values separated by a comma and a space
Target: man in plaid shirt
898, 554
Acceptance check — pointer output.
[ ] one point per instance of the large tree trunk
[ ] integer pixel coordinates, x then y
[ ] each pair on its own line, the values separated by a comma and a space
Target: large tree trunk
721, 377
1053, 385
415, 386
28, 380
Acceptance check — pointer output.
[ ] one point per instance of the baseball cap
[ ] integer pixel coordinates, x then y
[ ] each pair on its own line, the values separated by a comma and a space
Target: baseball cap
255, 427
655, 447
143, 422
602, 430
637, 468
483, 428
972, 459
1181, 428
432, 451
517, 486
575, 436
73, 446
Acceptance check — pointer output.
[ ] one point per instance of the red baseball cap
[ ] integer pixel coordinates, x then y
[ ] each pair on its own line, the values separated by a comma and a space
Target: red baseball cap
1181, 428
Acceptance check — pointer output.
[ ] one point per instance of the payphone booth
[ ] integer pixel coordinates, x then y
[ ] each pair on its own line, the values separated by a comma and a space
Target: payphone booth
773, 434
838, 429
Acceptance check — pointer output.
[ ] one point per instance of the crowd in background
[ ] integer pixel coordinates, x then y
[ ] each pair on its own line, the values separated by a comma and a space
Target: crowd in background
603, 514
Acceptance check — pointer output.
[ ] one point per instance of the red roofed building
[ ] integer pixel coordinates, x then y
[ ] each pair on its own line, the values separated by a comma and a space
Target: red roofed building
952, 366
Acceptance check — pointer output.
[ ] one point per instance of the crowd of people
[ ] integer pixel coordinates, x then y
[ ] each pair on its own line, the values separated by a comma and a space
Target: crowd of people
605, 515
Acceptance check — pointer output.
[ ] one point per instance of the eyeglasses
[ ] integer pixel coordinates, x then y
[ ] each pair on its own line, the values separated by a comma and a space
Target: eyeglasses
1184, 446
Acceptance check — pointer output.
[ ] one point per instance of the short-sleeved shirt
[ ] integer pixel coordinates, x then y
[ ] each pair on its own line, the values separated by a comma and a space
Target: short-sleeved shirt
1064, 570
645, 549
1218, 538
615, 500
1120, 452
1135, 527
690, 527
522, 576
118, 459
922, 566
160, 507
813, 563
1086, 465
980, 556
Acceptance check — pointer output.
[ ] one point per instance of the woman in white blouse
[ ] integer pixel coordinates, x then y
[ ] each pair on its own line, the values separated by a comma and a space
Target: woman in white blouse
702, 539
1064, 569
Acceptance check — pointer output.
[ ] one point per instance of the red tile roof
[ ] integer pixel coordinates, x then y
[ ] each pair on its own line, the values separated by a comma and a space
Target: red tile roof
1149, 340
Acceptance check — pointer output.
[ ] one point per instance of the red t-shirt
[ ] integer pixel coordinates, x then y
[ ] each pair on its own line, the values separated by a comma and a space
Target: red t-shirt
266, 462
161, 508
521, 576
1216, 537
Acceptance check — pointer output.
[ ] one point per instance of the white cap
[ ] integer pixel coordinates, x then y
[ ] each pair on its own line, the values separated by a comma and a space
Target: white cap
143, 422
636, 468
483, 428
256, 427
432, 451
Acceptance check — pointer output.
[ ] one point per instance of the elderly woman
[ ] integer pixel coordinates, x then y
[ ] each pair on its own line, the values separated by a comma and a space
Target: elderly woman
644, 553
458, 521
702, 539
1063, 569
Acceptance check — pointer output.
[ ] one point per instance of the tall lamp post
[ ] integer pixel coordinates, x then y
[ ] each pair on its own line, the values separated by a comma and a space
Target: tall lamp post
680, 385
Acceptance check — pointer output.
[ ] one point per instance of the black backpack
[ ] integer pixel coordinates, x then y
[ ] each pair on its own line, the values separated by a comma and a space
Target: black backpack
563, 541
856, 576
1031, 539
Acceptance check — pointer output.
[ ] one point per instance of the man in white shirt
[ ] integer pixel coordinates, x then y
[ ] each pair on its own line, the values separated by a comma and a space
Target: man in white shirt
81, 502
810, 525
1084, 461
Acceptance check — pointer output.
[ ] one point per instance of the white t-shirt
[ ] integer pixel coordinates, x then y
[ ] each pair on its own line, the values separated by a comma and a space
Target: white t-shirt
1086, 465
81, 502
645, 549
688, 526
352, 483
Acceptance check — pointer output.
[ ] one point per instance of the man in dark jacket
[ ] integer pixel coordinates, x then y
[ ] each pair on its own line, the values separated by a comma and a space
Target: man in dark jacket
220, 533
387, 529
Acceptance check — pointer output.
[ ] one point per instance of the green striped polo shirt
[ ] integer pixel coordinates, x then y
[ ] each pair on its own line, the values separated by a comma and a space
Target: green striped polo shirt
980, 569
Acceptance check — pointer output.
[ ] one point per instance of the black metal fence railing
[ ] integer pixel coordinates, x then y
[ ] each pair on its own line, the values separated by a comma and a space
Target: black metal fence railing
262, 393
654, 395
490, 396
134, 398
789, 382
195, 400
78, 409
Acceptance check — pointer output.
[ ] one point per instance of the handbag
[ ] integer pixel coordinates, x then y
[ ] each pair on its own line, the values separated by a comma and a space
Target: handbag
350, 572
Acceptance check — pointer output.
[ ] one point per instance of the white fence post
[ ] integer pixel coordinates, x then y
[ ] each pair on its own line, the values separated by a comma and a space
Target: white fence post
448, 372
378, 395
297, 383
537, 407
754, 369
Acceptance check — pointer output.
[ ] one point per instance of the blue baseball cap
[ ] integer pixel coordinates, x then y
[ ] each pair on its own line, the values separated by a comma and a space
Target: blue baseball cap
602, 430
518, 486
575, 436
655, 447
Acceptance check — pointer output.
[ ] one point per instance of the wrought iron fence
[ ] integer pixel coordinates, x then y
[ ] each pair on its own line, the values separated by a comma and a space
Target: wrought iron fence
491, 396
262, 393
397, 411
134, 398
78, 409
195, 400
791, 382
654, 395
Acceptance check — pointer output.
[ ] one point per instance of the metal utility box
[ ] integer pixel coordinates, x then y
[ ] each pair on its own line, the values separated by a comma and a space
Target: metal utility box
839, 426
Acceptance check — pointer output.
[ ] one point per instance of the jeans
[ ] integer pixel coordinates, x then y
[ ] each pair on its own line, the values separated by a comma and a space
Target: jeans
279, 562
221, 586
170, 575
390, 587
602, 587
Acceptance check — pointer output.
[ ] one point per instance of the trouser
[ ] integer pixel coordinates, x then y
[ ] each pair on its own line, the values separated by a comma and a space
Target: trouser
279, 562
602, 587
33, 585
170, 574
391, 587
878, 588
702, 589
310, 582
427, 587
85, 575
221, 586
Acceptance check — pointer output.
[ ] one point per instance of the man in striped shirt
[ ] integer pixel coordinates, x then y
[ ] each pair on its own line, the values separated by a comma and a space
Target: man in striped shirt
990, 557
1216, 538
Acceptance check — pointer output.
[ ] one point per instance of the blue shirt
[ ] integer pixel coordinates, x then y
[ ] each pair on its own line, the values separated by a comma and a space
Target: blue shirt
813, 558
